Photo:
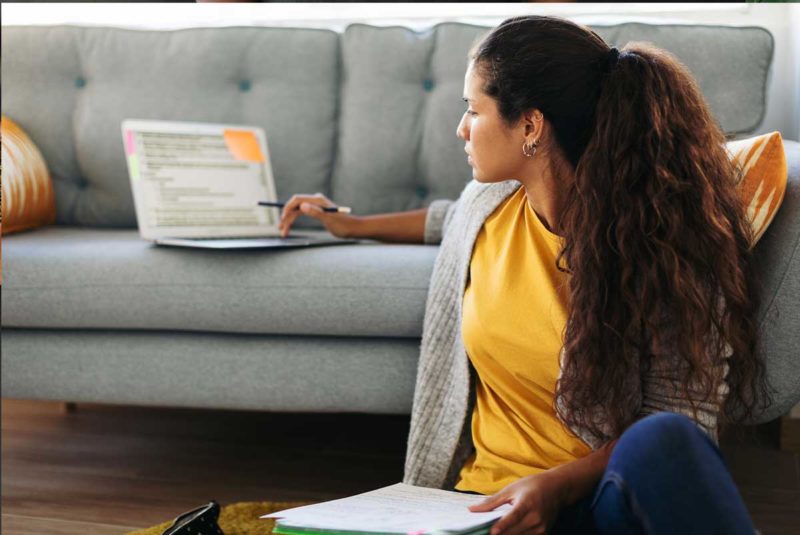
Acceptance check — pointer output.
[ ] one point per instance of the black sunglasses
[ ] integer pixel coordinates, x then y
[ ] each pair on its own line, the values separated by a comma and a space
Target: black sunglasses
200, 521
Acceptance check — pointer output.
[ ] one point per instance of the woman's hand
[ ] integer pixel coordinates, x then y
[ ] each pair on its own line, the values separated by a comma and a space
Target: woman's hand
537, 500
339, 224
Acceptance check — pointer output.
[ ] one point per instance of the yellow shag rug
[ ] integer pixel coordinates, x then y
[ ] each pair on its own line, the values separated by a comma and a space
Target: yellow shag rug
237, 518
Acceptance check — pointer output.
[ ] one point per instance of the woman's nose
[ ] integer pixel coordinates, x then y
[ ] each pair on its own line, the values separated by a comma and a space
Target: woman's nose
461, 132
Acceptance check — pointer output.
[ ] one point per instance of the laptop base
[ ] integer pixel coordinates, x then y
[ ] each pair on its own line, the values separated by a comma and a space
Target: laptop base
252, 243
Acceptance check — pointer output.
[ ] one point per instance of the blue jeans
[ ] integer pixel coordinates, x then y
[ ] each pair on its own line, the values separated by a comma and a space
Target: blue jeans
664, 476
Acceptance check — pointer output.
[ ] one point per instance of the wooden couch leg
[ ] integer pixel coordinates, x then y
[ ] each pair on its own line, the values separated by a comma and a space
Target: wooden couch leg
69, 407
790, 434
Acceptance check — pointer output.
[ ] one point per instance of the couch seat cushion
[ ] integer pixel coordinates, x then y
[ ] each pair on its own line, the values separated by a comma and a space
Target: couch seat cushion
71, 277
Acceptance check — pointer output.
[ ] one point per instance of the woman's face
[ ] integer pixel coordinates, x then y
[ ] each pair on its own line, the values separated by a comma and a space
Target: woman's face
495, 151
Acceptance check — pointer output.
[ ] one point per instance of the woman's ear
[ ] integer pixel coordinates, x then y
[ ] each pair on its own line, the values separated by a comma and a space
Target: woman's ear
534, 124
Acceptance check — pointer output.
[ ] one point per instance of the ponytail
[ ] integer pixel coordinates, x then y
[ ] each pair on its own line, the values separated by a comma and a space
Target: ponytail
668, 237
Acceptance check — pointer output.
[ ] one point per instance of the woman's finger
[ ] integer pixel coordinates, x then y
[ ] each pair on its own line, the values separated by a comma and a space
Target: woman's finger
489, 503
314, 210
287, 223
511, 518
289, 206
293, 204
284, 210
291, 209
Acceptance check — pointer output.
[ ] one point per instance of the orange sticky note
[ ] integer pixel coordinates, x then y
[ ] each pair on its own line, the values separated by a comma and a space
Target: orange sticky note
243, 145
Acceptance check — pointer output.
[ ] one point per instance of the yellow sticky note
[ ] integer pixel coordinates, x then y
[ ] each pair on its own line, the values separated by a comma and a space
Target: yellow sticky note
243, 145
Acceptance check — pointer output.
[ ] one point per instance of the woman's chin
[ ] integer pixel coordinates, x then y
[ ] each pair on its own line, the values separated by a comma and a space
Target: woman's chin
480, 176
477, 176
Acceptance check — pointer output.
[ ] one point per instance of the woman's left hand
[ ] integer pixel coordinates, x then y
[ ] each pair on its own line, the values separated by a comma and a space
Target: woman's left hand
537, 500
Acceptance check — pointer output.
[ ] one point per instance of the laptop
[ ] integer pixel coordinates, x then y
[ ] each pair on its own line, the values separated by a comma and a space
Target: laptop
198, 185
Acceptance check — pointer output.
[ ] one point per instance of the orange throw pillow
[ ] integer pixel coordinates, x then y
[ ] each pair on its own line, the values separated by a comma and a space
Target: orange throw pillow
762, 181
28, 200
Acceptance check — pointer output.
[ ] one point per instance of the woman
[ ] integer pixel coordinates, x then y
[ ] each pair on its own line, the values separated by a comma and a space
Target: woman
590, 321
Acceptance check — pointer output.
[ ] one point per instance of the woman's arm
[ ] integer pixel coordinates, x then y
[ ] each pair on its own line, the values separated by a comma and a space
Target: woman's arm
424, 225
440, 213
405, 227
580, 476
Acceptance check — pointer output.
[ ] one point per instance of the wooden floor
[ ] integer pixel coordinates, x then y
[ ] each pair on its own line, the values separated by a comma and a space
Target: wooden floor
109, 470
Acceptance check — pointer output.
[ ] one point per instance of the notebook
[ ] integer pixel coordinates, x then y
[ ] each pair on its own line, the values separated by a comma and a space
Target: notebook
398, 509
198, 185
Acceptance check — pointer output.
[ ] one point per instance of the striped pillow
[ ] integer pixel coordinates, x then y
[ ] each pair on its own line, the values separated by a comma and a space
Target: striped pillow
762, 181
28, 200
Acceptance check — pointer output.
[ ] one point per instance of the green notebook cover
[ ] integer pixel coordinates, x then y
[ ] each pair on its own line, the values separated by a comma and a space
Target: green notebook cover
294, 530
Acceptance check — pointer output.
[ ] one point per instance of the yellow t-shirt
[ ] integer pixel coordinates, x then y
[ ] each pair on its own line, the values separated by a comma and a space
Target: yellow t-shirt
514, 313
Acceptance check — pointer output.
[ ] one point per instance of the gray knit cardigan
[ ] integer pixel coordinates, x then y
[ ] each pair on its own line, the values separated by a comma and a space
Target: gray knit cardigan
440, 438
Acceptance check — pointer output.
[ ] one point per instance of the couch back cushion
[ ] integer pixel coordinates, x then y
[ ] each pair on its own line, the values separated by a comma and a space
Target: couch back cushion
367, 117
70, 87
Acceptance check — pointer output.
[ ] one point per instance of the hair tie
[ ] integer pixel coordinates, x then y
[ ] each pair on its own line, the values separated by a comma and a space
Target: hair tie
611, 59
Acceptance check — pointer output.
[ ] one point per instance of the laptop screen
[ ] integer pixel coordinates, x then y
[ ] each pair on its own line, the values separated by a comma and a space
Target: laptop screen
199, 180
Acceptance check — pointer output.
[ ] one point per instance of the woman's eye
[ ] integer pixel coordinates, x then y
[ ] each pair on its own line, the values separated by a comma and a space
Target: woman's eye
470, 112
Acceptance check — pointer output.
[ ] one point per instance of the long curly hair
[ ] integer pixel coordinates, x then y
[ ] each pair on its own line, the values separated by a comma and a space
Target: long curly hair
655, 234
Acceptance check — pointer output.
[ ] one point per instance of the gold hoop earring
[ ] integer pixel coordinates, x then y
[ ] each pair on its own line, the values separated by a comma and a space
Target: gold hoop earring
529, 150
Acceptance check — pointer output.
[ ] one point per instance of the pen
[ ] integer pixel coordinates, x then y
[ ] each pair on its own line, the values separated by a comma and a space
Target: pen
343, 209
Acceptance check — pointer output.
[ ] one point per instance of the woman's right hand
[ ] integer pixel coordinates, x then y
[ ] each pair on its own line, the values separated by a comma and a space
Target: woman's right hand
339, 224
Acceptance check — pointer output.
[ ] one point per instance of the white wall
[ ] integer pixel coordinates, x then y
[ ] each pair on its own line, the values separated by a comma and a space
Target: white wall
794, 59
170, 16
782, 20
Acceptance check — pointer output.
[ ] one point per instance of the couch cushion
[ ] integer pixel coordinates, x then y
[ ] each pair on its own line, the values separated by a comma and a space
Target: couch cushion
398, 147
731, 64
231, 371
70, 87
67, 277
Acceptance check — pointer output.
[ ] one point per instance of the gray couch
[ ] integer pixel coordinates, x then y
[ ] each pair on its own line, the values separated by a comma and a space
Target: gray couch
92, 313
